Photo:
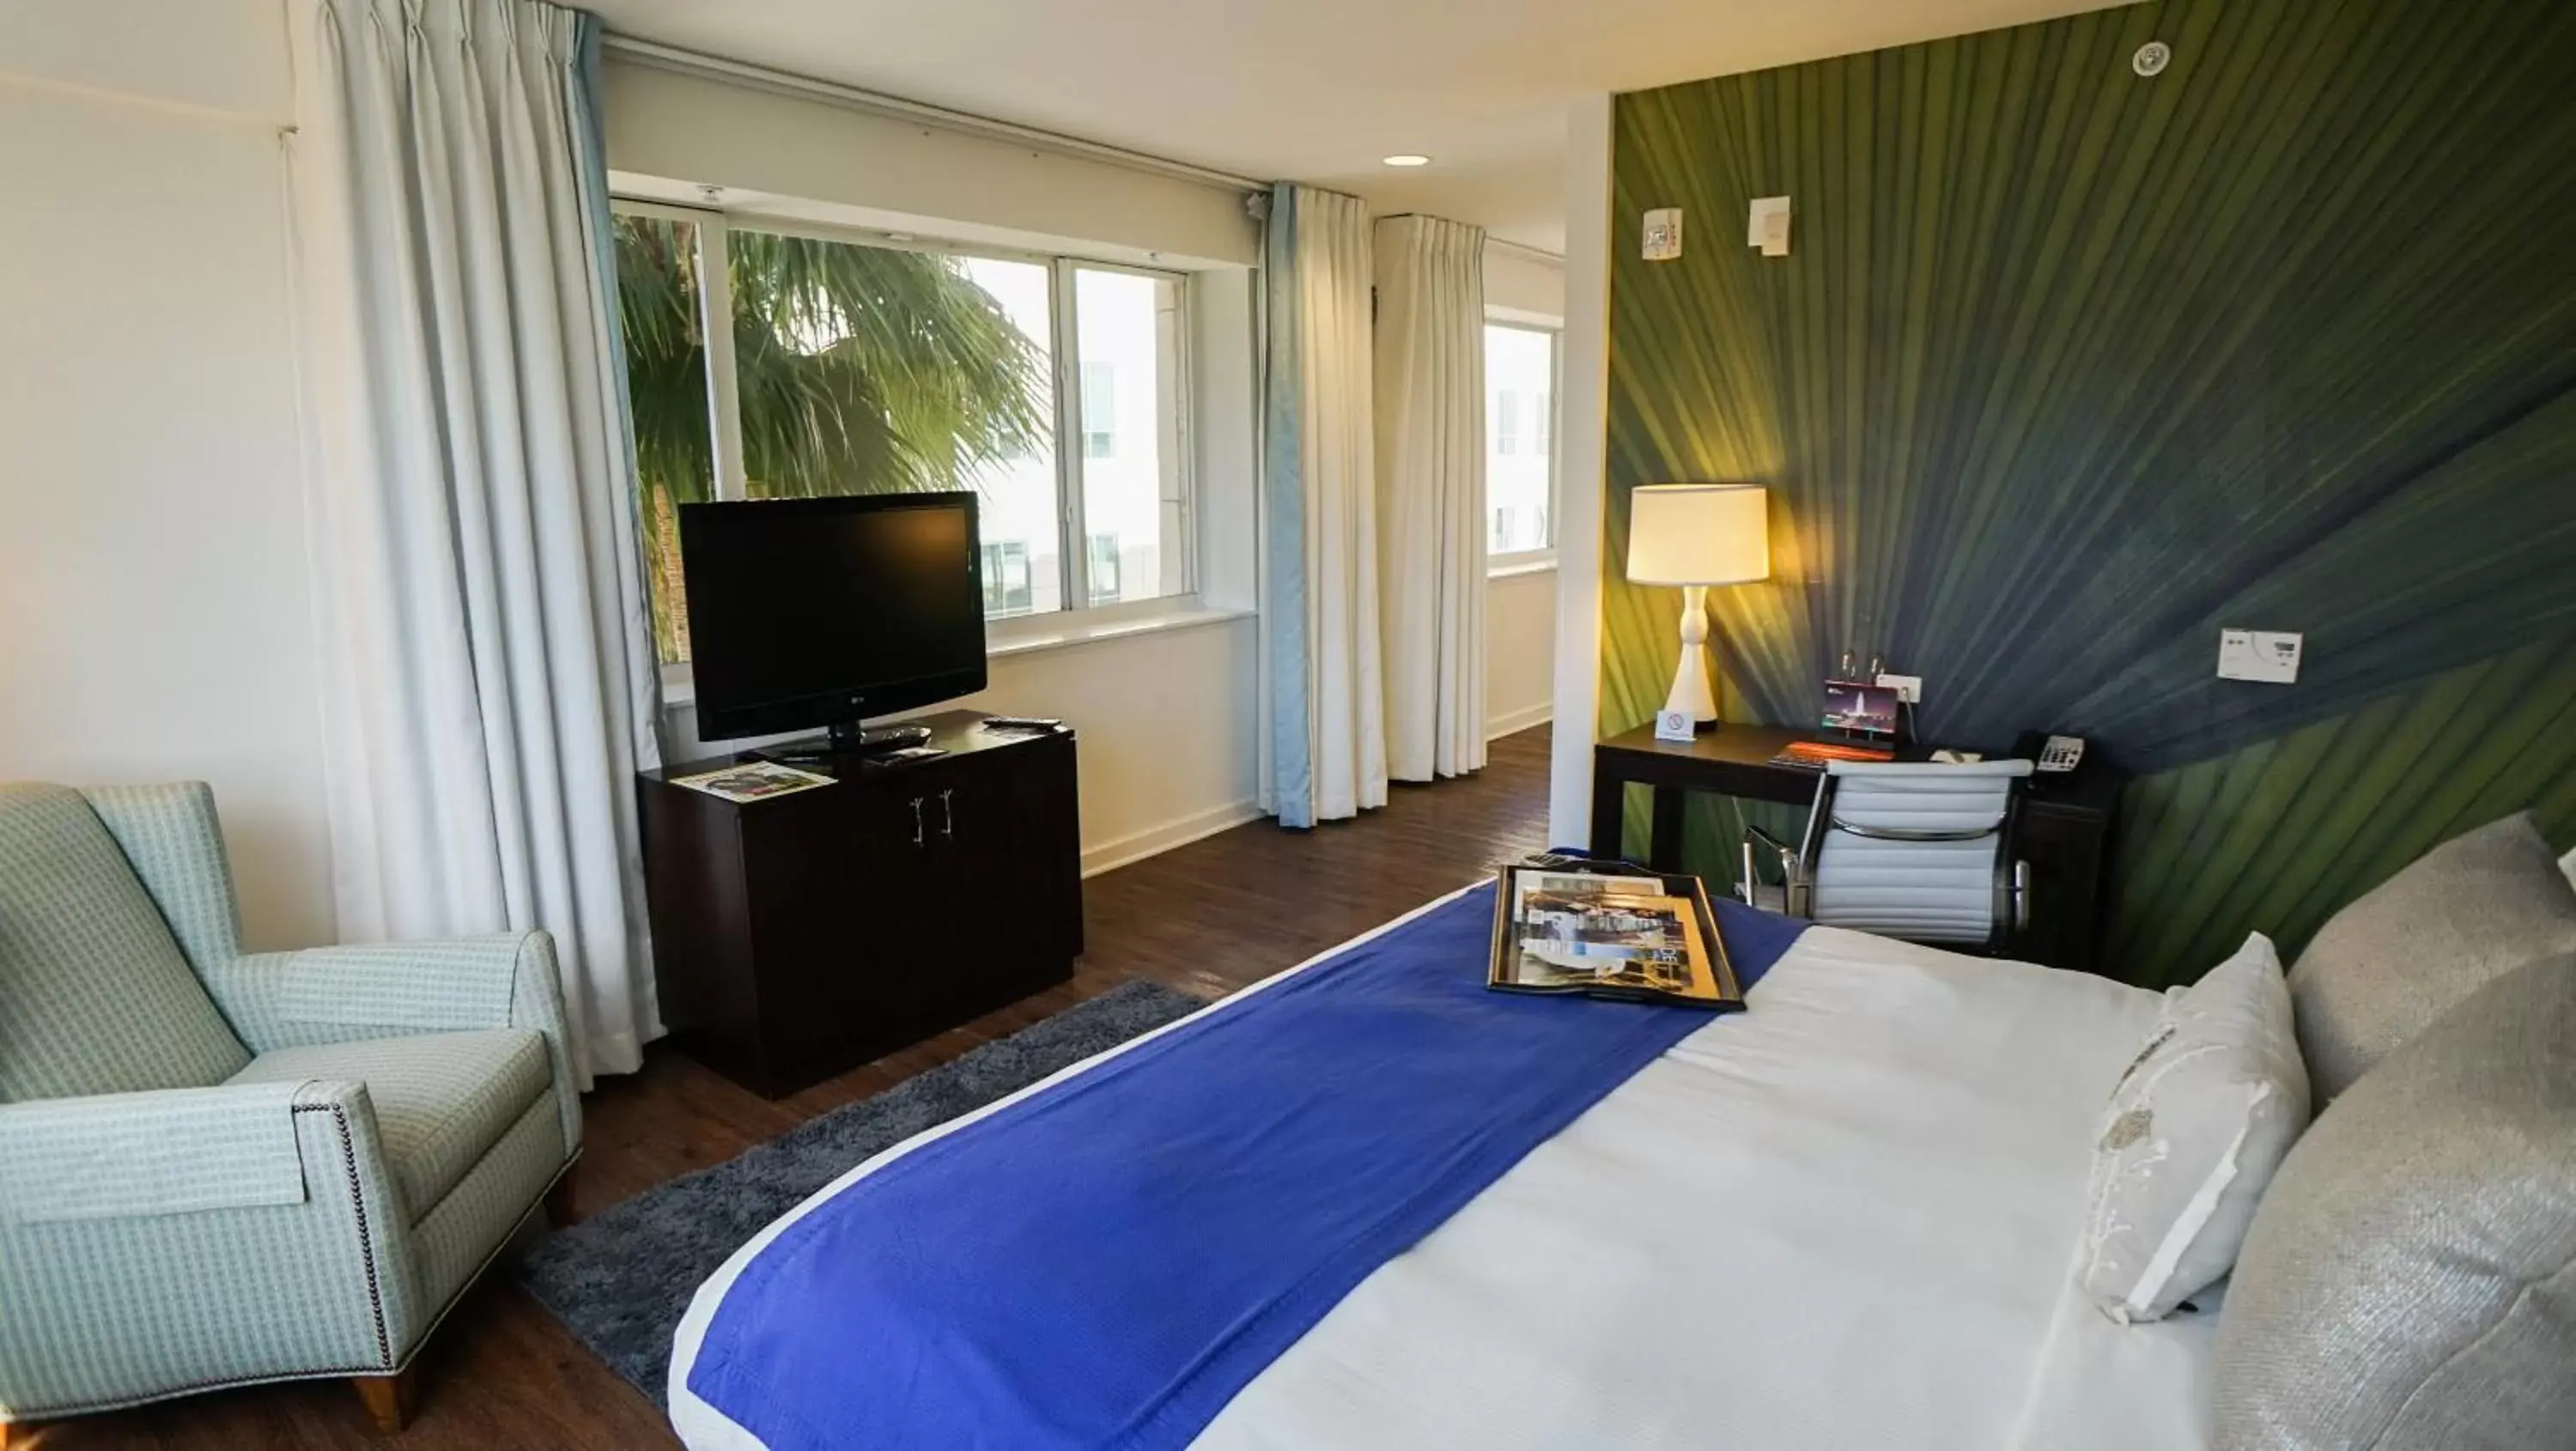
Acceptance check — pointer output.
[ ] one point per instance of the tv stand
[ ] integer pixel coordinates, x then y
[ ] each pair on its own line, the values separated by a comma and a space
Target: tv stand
797, 936
851, 739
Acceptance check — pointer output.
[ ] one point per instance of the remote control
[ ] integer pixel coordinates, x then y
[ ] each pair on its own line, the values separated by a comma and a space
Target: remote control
908, 753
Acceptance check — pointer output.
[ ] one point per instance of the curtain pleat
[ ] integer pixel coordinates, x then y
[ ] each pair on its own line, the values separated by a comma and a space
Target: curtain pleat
489, 686
1320, 577
1430, 387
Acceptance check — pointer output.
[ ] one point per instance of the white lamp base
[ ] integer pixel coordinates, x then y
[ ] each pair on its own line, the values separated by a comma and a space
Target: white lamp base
1692, 694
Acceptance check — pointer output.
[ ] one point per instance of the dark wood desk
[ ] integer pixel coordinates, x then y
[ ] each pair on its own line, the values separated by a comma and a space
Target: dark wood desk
2063, 830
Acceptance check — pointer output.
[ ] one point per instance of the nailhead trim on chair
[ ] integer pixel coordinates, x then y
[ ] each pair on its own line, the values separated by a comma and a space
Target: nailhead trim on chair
366, 1237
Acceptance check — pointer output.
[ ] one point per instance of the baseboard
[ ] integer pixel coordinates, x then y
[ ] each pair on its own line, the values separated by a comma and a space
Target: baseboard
1509, 721
1138, 845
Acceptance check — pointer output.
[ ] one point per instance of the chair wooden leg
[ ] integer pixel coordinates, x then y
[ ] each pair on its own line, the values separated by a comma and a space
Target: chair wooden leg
559, 1198
388, 1398
17, 1435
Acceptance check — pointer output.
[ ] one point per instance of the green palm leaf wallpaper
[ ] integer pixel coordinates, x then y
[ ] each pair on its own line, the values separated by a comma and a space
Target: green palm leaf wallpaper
2068, 368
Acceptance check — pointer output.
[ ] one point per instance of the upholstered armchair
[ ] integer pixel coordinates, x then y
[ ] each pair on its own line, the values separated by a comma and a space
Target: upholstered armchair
218, 1168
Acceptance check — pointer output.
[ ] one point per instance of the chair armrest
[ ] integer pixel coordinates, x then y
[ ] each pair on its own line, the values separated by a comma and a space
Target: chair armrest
1787, 857
172, 1151
379, 990
415, 987
240, 1232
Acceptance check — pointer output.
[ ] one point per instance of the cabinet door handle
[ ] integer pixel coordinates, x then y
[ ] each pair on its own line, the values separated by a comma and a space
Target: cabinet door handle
916, 821
947, 814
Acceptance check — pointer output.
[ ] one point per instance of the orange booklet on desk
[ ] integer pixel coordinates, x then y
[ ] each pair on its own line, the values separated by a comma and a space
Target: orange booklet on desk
1812, 755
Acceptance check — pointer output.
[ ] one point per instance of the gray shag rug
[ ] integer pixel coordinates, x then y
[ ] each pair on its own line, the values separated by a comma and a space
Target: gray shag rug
621, 1279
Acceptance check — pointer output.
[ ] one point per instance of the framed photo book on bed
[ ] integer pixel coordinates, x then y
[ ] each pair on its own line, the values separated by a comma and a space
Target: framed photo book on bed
1610, 930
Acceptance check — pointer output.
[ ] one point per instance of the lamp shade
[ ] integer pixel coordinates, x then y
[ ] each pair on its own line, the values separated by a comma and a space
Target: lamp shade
1699, 534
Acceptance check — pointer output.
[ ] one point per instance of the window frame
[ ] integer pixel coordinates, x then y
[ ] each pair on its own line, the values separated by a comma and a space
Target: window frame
714, 226
1528, 561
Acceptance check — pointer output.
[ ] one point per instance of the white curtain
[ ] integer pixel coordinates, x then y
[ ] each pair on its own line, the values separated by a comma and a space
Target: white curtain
1327, 745
489, 676
1431, 493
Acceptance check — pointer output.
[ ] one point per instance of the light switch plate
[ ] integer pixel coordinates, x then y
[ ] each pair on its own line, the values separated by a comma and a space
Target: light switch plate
1766, 226
2269, 656
1663, 239
1908, 688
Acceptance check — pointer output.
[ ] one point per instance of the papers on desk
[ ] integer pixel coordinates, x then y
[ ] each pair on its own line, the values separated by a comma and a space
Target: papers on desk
753, 781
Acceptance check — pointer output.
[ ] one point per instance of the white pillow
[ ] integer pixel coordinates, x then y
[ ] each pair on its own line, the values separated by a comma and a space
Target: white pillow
2194, 1130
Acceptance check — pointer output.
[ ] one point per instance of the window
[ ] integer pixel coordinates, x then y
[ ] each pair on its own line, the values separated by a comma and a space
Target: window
1520, 436
850, 365
1134, 485
1006, 580
660, 310
1104, 569
1099, 410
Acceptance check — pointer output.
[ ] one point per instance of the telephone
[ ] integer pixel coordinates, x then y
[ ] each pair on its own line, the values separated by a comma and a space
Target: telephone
2051, 755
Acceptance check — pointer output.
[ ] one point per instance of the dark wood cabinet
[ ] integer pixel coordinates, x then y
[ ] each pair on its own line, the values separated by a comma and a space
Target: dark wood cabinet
2064, 833
801, 935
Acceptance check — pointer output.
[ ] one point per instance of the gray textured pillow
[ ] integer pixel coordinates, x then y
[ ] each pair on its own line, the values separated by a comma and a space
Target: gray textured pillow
2410, 1281
2388, 966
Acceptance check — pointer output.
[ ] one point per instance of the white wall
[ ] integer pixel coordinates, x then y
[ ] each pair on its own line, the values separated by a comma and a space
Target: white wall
1166, 724
152, 549
1582, 443
718, 133
1524, 284
1520, 650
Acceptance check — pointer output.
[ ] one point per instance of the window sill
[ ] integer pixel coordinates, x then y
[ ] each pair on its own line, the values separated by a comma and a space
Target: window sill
1029, 634
1513, 566
1032, 634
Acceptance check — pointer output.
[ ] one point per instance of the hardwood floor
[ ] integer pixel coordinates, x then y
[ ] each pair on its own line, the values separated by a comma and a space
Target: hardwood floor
1207, 918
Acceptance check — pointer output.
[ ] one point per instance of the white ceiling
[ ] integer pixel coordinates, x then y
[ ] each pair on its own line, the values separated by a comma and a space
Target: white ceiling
1309, 90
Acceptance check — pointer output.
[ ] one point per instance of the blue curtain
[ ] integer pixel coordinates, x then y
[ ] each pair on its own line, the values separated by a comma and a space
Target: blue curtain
1320, 587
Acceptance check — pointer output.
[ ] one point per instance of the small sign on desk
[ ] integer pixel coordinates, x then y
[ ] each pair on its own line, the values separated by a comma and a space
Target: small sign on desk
1675, 725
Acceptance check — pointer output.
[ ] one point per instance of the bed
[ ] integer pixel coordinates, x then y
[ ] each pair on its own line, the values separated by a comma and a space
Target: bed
1866, 1192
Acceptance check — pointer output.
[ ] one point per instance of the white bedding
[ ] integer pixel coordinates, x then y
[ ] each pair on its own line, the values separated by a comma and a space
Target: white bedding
1869, 1190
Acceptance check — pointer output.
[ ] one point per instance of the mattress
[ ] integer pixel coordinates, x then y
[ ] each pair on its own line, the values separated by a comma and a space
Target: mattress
1847, 1217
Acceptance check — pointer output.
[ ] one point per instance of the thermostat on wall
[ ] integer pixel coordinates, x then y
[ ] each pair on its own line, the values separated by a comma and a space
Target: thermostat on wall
2271, 656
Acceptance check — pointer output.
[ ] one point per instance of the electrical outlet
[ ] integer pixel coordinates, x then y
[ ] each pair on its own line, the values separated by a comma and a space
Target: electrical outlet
1908, 688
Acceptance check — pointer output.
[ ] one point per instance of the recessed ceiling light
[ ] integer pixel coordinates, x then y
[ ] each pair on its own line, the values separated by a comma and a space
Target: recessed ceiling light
1408, 158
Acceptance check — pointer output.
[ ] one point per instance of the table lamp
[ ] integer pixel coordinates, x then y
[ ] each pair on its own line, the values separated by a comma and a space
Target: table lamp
1697, 535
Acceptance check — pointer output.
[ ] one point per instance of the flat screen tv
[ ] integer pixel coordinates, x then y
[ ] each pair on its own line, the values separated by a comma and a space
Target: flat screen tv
823, 612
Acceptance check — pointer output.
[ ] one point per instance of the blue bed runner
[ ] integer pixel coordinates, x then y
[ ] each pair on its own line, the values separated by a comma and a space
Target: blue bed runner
1105, 1264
